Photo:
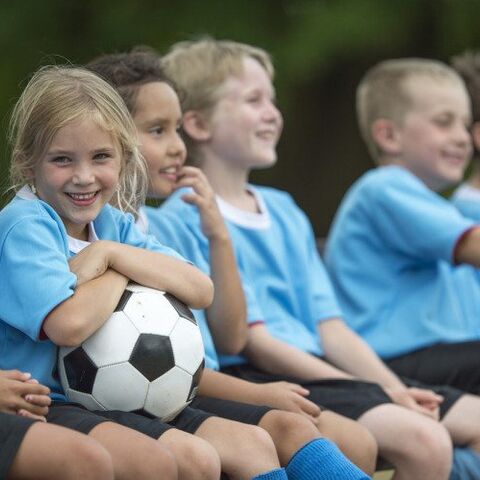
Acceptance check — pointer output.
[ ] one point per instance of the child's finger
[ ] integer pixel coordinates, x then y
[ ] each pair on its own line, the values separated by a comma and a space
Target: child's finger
309, 407
26, 413
298, 389
39, 400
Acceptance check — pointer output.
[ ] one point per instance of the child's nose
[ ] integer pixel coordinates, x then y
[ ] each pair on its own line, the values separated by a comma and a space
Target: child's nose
83, 174
177, 147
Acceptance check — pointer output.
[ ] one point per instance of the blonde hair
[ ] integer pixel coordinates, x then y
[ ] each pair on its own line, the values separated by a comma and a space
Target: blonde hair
382, 92
199, 69
58, 95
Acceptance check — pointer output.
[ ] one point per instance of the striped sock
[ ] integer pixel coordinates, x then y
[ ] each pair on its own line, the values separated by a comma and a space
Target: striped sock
321, 459
277, 474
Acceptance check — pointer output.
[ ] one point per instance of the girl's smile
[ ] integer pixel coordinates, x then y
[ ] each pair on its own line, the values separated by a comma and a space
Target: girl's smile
78, 174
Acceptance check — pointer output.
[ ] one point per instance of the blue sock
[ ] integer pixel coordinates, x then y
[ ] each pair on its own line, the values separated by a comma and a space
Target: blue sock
277, 474
321, 459
466, 464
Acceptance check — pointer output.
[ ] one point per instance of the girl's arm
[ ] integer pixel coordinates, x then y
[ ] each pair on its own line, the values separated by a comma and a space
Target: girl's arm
227, 314
75, 319
283, 395
145, 267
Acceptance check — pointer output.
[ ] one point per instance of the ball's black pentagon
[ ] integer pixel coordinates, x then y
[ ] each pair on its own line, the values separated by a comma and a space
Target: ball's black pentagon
181, 308
80, 370
123, 300
152, 355
143, 413
195, 381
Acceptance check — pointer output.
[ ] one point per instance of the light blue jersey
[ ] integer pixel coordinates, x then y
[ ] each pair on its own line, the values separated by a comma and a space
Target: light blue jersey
390, 256
177, 224
35, 278
467, 199
277, 258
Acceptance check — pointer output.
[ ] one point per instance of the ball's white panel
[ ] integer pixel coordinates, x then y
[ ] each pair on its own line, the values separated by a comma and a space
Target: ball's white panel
187, 345
120, 387
168, 394
135, 287
113, 342
83, 399
151, 312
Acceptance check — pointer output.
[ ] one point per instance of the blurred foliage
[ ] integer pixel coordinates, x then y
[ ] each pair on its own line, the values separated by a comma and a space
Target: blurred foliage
321, 49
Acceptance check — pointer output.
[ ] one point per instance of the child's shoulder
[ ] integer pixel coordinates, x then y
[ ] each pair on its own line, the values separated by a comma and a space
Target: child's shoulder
21, 211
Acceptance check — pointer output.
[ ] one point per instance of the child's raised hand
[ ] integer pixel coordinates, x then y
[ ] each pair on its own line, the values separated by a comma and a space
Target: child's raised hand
22, 395
91, 262
203, 197
290, 397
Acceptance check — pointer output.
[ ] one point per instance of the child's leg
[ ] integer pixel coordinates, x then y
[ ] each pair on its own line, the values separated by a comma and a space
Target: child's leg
134, 454
245, 451
354, 440
196, 458
463, 422
416, 445
51, 452
298, 443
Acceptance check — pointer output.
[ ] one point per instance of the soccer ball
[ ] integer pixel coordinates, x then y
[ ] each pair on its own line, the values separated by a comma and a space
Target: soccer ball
147, 358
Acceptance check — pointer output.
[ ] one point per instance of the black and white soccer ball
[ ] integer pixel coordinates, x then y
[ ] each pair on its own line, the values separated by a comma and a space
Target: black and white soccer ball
148, 357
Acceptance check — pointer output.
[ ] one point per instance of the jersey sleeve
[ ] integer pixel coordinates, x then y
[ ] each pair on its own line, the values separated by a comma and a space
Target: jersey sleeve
414, 220
132, 235
35, 274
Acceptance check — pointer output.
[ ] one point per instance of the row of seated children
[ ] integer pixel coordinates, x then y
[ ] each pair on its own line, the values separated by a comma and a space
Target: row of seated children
194, 225
300, 326
74, 154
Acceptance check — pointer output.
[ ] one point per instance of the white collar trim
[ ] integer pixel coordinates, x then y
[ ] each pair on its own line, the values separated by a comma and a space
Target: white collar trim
467, 192
253, 220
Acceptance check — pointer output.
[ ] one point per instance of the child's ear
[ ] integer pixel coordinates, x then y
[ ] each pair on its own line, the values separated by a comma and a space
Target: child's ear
386, 135
476, 135
196, 126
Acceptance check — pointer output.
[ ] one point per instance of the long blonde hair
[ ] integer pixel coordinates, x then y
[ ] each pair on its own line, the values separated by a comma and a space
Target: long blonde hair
58, 95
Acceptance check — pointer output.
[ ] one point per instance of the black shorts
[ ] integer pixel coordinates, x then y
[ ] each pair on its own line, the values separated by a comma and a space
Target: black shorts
455, 364
12, 432
77, 417
350, 398
238, 411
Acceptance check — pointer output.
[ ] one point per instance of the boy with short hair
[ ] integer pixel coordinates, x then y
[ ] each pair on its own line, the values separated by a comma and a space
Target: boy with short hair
467, 196
232, 127
401, 256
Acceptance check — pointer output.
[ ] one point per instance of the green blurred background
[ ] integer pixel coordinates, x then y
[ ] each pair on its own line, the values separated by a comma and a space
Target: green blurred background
321, 48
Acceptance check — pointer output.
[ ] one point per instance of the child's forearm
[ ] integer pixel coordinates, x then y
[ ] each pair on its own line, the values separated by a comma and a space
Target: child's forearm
227, 314
78, 317
162, 272
277, 357
348, 351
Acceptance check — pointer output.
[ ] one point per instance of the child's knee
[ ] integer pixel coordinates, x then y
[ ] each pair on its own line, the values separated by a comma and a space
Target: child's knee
200, 461
88, 459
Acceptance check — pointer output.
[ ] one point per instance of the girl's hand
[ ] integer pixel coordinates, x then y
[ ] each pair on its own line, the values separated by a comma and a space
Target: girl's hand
203, 198
91, 262
19, 394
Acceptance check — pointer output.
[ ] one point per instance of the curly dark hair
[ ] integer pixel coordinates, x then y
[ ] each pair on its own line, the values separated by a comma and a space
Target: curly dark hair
127, 72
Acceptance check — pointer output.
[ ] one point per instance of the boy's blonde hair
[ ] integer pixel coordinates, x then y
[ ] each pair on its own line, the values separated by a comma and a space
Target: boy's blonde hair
58, 95
382, 92
199, 68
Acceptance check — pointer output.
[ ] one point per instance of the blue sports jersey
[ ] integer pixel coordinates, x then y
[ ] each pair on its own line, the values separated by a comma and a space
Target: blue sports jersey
390, 256
35, 278
467, 199
277, 258
177, 224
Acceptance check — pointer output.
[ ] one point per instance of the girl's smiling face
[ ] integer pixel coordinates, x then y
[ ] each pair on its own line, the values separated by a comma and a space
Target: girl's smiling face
158, 117
78, 174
